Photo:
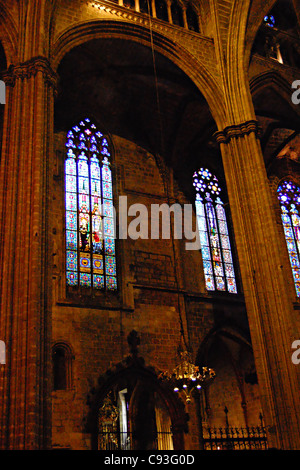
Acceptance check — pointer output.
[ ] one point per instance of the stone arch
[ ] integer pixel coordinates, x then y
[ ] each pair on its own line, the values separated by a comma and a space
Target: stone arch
281, 128
134, 369
233, 331
196, 71
271, 79
257, 12
65, 351
228, 350
286, 161
243, 26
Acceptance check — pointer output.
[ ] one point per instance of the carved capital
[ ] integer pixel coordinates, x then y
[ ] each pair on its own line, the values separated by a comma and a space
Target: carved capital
236, 131
30, 68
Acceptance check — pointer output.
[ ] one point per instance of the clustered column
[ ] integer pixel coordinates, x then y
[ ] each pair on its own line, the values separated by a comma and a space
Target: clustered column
24, 175
266, 278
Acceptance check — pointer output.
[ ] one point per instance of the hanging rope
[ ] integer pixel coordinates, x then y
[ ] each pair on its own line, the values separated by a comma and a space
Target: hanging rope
162, 167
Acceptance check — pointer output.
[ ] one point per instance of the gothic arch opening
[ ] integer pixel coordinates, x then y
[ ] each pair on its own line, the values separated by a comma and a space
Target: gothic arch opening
132, 410
270, 93
233, 398
277, 37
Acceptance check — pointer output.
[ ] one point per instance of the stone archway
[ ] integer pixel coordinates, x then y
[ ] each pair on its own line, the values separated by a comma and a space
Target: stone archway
229, 351
200, 75
145, 394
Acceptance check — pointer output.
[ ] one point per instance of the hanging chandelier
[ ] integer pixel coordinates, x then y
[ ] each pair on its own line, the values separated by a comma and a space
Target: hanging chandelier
186, 377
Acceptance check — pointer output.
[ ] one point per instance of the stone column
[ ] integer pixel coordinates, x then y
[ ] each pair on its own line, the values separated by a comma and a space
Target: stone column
267, 282
24, 246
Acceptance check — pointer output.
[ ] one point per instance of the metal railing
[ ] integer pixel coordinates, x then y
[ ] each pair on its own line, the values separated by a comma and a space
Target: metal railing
228, 438
115, 440
231, 438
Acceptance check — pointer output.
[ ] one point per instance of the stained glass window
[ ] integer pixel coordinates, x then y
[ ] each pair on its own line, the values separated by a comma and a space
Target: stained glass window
213, 231
289, 198
90, 237
269, 20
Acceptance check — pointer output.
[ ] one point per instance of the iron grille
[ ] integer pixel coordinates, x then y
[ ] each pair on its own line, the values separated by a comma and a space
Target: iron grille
231, 438
116, 440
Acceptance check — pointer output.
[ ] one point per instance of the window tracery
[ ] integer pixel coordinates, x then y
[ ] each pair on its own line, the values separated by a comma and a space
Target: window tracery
214, 237
289, 199
90, 243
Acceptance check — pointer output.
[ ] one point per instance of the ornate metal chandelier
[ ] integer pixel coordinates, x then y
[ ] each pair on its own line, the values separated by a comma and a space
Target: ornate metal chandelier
186, 377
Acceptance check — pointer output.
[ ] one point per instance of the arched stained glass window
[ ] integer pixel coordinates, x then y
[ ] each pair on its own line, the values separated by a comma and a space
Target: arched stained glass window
90, 243
289, 198
214, 238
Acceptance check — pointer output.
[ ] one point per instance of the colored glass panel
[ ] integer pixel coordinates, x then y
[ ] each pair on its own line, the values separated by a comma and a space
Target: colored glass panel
110, 265
72, 278
209, 281
98, 281
109, 246
95, 169
71, 202
213, 232
98, 264
288, 195
85, 263
231, 285
220, 283
106, 173
108, 227
85, 280
207, 267
70, 166
107, 190
71, 220
108, 208
72, 260
111, 283
89, 209
71, 238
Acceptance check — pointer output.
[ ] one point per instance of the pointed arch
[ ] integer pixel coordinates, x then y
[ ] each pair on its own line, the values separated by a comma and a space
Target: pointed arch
272, 79
62, 358
201, 76
133, 373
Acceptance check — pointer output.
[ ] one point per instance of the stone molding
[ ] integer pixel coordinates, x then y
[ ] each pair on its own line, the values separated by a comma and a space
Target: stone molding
30, 68
236, 131
141, 18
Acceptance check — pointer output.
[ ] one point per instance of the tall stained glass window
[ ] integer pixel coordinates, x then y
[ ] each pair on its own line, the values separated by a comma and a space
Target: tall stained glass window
90, 238
289, 198
214, 238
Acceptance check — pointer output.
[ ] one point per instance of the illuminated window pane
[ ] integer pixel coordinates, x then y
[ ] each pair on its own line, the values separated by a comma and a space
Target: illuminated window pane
213, 232
289, 198
269, 20
90, 245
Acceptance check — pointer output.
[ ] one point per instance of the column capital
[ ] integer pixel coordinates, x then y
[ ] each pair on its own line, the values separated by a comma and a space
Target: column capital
30, 68
236, 131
